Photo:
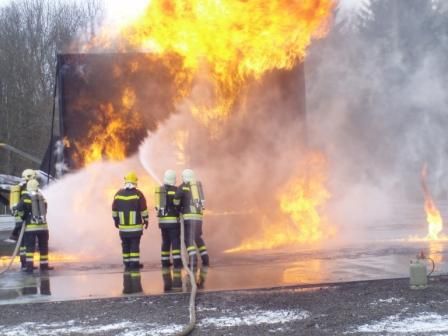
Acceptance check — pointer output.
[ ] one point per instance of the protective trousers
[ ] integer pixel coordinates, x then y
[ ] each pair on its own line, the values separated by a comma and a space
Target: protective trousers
131, 250
41, 237
193, 235
171, 243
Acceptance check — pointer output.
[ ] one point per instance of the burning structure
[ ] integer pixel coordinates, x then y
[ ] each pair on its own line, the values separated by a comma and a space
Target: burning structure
231, 105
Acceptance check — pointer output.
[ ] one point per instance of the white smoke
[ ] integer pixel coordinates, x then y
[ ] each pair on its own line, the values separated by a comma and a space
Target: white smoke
377, 105
376, 101
353, 14
80, 213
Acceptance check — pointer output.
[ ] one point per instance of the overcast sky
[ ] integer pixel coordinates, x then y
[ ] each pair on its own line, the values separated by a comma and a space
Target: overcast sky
117, 10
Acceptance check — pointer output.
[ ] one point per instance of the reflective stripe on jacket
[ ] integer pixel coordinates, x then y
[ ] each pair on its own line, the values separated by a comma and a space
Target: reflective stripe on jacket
129, 210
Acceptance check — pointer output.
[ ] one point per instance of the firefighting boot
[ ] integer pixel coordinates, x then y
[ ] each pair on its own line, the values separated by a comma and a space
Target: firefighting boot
46, 268
205, 260
193, 262
29, 267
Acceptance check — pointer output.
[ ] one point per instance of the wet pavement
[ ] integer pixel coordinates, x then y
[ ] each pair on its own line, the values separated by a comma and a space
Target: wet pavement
379, 258
71, 281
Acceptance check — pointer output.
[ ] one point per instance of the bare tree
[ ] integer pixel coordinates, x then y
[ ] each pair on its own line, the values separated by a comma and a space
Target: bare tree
32, 32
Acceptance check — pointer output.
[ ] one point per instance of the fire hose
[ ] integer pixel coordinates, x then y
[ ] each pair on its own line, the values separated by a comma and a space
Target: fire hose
192, 303
16, 250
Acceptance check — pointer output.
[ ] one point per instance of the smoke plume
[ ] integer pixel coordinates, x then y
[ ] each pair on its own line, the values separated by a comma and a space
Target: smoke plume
376, 106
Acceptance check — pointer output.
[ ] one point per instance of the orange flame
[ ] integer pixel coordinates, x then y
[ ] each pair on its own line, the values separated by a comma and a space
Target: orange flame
228, 42
53, 257
433, 217
212, 50
300, 201
107, 139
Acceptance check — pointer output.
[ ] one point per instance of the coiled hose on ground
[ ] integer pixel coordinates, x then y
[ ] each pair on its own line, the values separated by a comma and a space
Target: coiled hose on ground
192, 305
16, 250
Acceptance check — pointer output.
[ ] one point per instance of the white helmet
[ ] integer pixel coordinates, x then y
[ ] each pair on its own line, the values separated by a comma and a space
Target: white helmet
32, 186
188, 175
29, 174
169, 177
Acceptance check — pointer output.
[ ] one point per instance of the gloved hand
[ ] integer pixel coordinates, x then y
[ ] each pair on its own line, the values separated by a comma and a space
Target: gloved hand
145, 223
116, 223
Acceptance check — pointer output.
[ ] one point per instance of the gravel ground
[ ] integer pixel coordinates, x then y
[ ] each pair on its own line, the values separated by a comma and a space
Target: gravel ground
383, 307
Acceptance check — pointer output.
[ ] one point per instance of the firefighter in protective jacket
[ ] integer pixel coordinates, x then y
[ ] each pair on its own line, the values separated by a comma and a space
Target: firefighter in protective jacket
130, 215
32, 208
16, 193
168, 216
190, 200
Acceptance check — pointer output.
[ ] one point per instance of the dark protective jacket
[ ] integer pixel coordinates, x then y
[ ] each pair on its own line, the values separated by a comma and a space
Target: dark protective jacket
25, 211
184, 200
169, 218
129, 211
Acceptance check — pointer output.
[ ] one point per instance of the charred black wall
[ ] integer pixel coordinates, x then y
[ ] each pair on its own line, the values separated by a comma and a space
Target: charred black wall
90, 92
90, 96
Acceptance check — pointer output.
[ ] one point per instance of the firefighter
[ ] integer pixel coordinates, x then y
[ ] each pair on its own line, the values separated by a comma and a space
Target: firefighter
130, 215
168, 216
32, 209
190, 200
16, 193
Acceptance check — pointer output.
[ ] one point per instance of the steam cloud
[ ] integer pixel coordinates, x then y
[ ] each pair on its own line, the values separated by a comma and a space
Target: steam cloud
376, 102
377, 105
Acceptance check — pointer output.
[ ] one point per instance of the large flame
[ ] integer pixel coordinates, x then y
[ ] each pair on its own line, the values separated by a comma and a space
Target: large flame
228, 42
433, 217
301, 202
106, 137
212, 49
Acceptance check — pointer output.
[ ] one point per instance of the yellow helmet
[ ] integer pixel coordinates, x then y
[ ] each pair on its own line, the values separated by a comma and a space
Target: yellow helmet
131, 177
32, 185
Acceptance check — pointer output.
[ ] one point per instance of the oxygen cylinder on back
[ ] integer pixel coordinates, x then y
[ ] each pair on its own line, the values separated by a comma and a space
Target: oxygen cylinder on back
201, 193
14, 196
38, 207
197, 194
160, 200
